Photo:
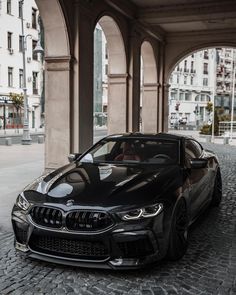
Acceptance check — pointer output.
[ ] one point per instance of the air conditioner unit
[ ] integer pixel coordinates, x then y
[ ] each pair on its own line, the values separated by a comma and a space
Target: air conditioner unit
11, 51
29, 79
28, 59
28, 25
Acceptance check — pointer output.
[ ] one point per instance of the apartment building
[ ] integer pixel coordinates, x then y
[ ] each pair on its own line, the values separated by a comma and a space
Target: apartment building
198, 79
11, 62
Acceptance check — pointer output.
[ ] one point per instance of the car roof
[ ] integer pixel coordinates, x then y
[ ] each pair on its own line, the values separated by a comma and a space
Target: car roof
162, 135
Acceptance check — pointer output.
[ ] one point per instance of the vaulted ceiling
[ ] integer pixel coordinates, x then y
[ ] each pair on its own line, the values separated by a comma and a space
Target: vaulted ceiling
170, 17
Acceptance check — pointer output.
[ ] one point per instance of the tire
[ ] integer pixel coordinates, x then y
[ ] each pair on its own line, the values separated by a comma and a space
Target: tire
178, 238
217, 191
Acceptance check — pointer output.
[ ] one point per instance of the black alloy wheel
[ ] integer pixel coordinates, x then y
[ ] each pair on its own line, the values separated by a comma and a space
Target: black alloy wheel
217, 192
178, 239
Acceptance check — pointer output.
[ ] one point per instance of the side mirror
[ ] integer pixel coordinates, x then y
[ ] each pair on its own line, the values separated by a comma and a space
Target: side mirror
198, 163
73, 157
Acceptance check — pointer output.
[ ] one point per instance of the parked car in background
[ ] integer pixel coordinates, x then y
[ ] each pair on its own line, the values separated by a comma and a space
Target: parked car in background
128, 201
183, 120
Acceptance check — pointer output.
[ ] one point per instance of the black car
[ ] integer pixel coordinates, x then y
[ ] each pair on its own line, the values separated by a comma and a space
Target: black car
126, 202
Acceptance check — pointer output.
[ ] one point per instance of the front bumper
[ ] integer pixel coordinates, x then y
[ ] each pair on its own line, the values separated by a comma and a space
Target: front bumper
126, 245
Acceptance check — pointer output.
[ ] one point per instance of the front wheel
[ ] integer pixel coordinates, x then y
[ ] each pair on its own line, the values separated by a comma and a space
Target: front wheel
217, 191
178, 239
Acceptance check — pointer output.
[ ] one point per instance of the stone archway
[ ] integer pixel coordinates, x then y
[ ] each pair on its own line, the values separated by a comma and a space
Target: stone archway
149, 89
117, 75
57, 69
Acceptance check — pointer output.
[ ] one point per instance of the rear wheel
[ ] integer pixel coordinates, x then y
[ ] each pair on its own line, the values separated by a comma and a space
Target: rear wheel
217, 192
178, 239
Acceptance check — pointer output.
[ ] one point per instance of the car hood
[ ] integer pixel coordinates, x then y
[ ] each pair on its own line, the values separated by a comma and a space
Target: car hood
104, 185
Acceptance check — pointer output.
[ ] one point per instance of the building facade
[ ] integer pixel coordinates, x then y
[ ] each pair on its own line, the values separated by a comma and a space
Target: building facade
200, 78
12, 45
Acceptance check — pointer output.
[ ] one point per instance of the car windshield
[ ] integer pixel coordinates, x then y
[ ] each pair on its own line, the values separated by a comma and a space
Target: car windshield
134, 150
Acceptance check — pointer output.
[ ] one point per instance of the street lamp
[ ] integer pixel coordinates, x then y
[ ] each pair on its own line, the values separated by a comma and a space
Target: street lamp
232, 104
26, 139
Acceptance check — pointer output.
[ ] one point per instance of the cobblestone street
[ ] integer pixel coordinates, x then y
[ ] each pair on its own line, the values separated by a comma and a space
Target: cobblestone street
209, 267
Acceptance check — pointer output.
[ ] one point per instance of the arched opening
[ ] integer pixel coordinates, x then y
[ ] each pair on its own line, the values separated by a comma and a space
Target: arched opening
57, 69
149, 89
201, 93
110, 85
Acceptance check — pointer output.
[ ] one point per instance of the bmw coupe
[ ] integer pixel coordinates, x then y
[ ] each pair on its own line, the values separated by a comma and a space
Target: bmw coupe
126, 202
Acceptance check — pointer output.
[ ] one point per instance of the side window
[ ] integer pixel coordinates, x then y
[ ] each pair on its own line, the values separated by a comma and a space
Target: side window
104, 150
192, 150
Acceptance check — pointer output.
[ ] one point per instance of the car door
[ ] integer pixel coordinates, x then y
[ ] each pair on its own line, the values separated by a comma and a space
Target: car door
198, 178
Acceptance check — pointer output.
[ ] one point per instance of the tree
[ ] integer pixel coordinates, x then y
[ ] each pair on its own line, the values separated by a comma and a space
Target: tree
18, 102
209, 107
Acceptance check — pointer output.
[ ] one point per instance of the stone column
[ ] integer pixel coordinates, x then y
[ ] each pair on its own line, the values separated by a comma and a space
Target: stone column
150, 108
82, 111
161, 89
134, 84
57, 111
165, 107
117, 103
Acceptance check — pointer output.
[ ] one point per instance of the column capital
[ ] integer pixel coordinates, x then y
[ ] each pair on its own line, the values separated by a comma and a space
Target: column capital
117, 78
58, 63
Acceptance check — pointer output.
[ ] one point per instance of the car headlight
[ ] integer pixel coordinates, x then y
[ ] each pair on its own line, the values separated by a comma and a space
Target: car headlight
22, 203
146, 212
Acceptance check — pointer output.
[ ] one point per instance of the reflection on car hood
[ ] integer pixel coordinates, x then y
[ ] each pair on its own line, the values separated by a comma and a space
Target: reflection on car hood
105, 185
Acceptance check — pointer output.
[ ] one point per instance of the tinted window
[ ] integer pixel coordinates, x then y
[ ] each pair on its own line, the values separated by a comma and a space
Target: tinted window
136, 150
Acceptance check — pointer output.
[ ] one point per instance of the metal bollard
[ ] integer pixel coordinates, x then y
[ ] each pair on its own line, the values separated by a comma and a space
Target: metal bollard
208, 138
40, 139
226, 140
8, 141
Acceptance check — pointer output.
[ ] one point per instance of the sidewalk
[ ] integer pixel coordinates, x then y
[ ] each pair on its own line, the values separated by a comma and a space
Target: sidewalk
19, 165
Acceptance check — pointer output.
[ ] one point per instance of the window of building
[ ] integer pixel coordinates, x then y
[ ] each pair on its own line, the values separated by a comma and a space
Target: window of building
173, 95
205, 81
21, 81
106, 69
185, 80
203, 97
181, 96
8, 6
35, 82
106, 51
34, 18
21, 43
188, 96
20, 9
191, 80
205, 68
192, 65
9, 40
177, 79
34, 55
205, 55
10, 77
185, 65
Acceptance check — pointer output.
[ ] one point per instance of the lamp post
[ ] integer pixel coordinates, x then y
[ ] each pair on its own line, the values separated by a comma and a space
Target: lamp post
26, 139
232, 104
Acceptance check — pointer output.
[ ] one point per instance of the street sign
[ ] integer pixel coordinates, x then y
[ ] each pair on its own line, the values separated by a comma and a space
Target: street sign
5, 100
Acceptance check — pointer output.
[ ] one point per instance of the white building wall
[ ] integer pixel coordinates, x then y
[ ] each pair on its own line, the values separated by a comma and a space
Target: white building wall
12, 23
218, 82
188, 87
